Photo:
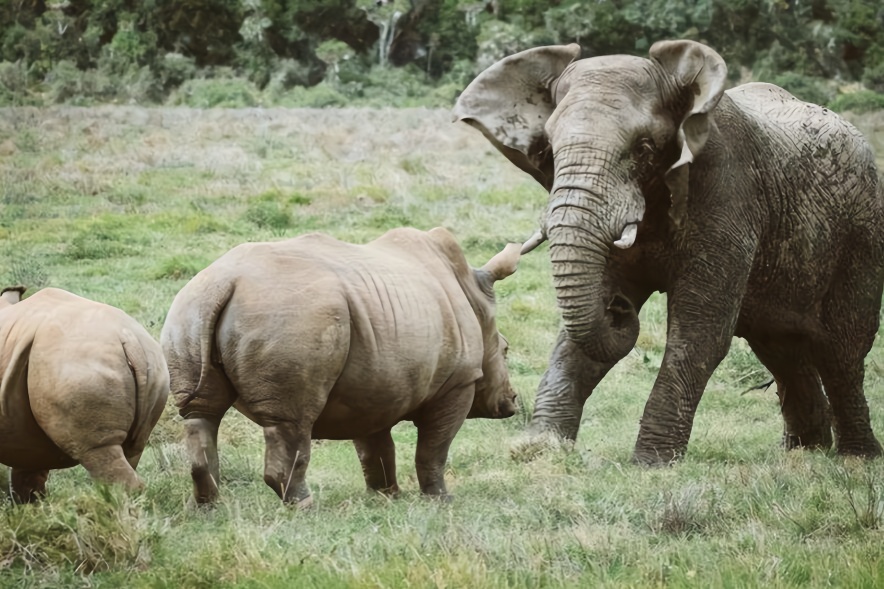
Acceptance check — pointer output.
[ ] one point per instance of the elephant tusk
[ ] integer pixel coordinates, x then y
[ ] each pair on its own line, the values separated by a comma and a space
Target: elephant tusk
628, 238
533, 242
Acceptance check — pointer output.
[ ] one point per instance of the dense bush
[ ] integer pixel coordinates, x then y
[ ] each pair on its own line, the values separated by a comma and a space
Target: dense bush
221, 91
804, 87
396, 52
858, 102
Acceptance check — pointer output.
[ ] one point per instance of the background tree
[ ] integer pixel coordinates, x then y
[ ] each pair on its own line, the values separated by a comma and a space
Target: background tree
145, 50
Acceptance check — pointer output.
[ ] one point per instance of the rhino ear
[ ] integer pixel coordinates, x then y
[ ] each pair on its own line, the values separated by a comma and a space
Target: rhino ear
11, 295
700, 70
511, 101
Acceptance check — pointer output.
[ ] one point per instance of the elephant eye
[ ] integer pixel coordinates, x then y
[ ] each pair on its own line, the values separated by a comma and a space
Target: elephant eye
645, 147
644, 156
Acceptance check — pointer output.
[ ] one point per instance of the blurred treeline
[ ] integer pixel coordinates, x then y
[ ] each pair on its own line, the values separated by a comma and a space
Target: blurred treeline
402, 53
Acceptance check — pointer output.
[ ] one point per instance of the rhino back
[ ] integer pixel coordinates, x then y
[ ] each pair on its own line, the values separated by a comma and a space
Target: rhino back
387, 324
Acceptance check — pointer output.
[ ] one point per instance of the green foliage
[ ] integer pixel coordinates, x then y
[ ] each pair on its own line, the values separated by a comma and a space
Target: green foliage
14, 87
222, 91
179, 267
148, 52
320, 96
873, 77
269, 215
858, 102
104, 237
806, 88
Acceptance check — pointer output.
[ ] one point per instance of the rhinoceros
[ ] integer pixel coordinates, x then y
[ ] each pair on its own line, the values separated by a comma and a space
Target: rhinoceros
81, 382
314, 338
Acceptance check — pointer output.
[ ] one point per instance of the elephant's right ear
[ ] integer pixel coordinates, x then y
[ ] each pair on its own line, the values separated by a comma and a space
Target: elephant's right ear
511, 101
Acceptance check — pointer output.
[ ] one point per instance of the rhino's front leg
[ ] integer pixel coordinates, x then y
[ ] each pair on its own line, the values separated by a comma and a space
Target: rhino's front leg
28, 485
377, 453
286, 456
437, 425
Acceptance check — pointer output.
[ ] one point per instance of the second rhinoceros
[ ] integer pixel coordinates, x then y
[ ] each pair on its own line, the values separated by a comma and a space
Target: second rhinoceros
314, 338
80, 382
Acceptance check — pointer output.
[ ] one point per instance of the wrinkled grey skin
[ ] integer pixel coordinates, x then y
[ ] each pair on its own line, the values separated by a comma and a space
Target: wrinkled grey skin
758, 214
314, 338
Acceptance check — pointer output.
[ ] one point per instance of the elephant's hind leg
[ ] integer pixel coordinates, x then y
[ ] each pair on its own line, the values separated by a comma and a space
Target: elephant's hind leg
806, 414
850, 320
842, 376
28, 485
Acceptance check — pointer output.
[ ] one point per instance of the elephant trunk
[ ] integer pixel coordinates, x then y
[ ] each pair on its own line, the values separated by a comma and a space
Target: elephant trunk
597, 317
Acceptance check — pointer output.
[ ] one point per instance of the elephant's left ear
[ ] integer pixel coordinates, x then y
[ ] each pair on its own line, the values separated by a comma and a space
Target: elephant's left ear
511, 101
701, 70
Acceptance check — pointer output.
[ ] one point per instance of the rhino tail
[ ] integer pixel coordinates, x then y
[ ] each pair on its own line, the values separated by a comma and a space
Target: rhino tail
211, 307
139, 366
13, 370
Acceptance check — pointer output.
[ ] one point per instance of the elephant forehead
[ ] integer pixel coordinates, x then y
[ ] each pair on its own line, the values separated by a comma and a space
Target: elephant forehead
613, 74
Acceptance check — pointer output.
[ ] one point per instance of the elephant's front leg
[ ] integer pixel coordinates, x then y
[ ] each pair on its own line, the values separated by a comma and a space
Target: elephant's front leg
702, 315
377, 453
564, 388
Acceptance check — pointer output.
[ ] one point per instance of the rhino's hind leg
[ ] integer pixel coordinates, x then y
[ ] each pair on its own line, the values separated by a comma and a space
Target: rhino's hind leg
28, 485
108, 464
201, 442
377, 453
286, 456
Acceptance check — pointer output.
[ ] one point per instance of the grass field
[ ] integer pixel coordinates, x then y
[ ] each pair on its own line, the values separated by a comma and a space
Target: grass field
125, 204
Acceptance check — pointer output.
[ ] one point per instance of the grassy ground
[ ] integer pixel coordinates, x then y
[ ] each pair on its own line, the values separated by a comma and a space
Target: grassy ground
124, 205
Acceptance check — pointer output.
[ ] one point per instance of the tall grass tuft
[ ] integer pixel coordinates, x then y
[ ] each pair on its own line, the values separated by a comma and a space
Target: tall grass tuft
96, 529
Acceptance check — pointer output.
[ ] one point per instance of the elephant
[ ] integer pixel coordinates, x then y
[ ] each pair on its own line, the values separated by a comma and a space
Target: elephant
315, 338
81, 382
758, 214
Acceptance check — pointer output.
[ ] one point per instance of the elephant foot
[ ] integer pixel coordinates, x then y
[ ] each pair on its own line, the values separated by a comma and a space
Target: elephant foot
657, 457
445, 498
868, 448
533, 444
818, 440
305, 503
391, 492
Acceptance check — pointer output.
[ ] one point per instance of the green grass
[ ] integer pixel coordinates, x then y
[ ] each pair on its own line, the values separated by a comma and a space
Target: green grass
124, 205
